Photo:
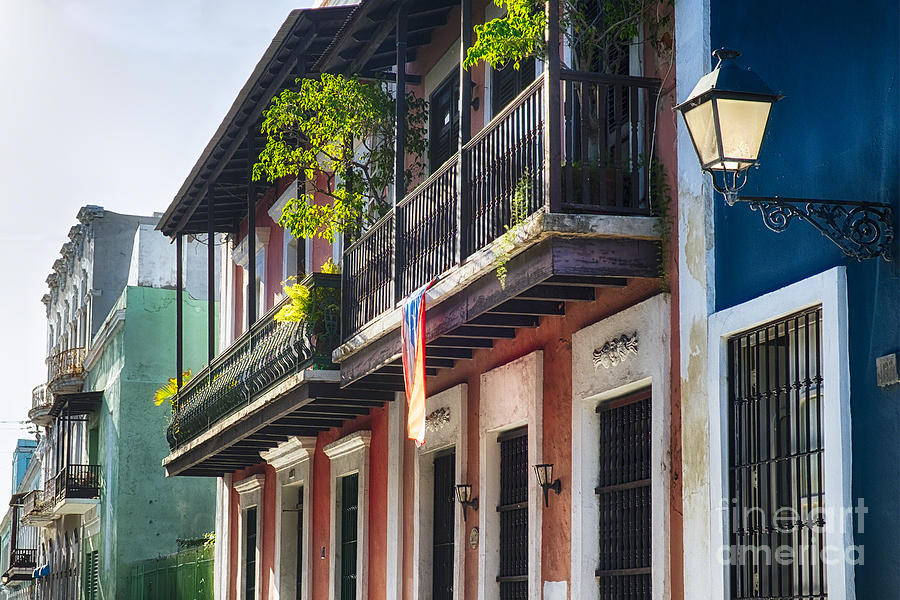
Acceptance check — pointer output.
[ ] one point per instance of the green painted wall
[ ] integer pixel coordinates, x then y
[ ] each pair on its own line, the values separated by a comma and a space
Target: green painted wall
142, 512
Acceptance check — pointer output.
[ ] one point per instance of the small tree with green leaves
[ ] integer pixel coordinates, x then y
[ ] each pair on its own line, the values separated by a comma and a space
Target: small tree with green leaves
595, 30
336, 134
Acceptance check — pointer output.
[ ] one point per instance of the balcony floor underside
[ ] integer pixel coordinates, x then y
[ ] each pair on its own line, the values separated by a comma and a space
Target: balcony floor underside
539, 281
303, 410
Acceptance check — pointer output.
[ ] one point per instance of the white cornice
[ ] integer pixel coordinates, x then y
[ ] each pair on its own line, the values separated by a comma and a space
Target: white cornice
251, 484
355, 441
288, 454
239, 254
278, 207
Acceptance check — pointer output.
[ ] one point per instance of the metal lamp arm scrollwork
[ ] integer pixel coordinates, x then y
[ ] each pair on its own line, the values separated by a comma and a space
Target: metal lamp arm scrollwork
860, 229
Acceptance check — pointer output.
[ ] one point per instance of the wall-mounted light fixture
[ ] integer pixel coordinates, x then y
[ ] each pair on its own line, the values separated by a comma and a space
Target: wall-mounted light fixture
464, 496
726, 115
545, 479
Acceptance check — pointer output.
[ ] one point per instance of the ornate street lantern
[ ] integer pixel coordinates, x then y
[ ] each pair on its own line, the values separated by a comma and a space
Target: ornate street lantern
726, 116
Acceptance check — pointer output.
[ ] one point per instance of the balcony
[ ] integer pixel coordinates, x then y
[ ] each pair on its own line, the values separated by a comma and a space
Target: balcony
23, 543
37, 508
65, 371
41, 403
76, 489
259, 360
22, 563
589, 221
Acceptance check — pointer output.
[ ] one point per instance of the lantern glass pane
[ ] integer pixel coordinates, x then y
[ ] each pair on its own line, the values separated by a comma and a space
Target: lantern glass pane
743, 123
702, 127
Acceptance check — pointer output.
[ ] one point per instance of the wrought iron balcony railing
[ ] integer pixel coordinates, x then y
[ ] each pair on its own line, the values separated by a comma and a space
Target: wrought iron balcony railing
23, 558
65, 364
265, 355
41, 397
41, 402
77, 481
36, 504
606, 138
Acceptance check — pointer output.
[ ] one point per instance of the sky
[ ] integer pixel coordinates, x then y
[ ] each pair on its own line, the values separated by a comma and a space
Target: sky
106, 102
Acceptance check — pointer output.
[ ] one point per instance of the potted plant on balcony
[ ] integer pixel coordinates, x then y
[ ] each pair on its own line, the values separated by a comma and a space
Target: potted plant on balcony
317, 308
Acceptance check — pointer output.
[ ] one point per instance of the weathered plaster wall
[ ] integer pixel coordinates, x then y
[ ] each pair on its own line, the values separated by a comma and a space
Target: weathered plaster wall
553, 337
379, 546
111, 255
694, 301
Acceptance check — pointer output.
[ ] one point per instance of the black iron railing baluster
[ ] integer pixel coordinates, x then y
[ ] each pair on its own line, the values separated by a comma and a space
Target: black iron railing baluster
267, 353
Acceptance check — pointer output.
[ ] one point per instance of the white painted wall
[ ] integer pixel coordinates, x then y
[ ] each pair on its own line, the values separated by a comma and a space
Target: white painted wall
153, 262
594, 384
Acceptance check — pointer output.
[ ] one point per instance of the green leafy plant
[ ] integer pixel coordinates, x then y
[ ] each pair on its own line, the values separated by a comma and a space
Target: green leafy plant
518, 212
329, 267
337, 134
517, 35
168, 392
596, 30
661, 203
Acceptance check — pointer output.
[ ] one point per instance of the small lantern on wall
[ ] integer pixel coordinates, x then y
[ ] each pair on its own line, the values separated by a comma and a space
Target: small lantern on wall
464, 496
544, 473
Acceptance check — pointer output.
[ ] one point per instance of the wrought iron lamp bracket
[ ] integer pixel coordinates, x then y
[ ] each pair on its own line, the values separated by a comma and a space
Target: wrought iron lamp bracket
860, 229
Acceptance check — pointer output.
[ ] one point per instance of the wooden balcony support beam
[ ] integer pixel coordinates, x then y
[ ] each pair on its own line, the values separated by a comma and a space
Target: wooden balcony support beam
559, 293
486, 302
493, 333
459, 342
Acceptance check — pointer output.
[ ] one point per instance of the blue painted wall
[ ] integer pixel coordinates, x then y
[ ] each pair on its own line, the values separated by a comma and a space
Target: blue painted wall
835, 135
21, 457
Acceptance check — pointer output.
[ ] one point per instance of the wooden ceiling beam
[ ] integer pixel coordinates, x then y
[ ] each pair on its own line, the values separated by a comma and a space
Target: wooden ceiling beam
256, 109
558, 292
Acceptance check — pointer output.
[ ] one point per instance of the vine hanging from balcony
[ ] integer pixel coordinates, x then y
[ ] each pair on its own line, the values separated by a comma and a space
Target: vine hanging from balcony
337, 133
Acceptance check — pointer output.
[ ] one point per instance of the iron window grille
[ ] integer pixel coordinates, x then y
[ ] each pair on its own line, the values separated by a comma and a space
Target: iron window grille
623, 496
250, 556
444, 519
513, 509
299, 584
775, 462
349, 509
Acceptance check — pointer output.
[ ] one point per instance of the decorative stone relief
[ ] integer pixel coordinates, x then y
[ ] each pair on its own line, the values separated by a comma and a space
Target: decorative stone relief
616, 350
437, 419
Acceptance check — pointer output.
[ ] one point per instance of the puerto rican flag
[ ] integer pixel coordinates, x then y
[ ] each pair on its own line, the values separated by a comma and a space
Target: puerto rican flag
413, 332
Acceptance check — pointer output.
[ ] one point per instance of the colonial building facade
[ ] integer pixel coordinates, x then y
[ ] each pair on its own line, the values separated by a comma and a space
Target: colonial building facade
94, 491
570, 361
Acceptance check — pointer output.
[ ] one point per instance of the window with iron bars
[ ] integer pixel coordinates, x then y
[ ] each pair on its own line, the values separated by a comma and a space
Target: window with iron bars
623, 497
443, 525
513, 509
775, 452
349, 508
